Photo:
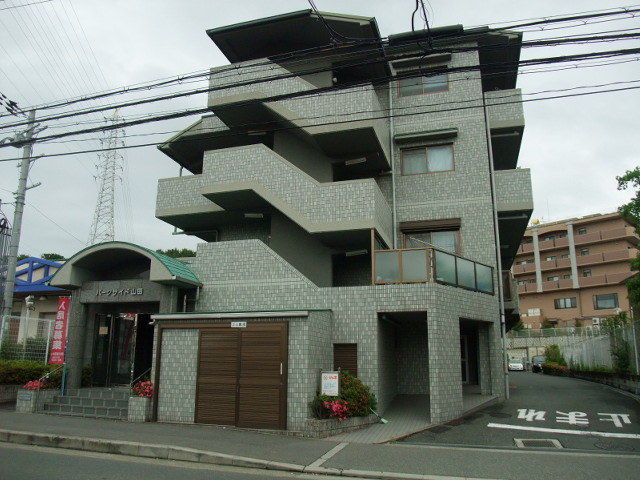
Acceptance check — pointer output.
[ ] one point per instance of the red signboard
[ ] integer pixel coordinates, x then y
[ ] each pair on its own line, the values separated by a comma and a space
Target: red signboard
59, 339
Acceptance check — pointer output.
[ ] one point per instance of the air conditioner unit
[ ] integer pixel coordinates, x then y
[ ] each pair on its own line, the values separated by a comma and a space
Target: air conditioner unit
595, 320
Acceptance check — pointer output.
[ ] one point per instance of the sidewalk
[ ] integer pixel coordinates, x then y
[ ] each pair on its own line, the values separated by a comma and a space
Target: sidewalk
260, 450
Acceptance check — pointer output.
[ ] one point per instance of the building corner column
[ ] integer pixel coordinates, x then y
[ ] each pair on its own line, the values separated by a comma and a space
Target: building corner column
536, 259
75, 341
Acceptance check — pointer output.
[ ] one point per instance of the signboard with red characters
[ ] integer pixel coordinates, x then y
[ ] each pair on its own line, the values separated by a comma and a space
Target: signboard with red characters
59, 339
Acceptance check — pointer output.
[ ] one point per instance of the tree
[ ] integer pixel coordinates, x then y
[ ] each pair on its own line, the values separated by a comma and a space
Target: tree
547, 324
553, 354
52, 256
579, 323
22, 256
518, 326
177, 252
631, 212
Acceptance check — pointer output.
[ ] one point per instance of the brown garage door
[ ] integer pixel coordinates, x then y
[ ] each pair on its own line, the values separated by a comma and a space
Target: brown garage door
242, 375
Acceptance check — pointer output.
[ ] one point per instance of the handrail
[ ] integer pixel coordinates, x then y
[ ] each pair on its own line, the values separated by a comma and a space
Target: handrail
148, 370
47, 375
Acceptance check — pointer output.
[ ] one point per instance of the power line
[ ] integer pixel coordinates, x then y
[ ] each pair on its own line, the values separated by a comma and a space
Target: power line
231, 134
307, 93
25, 5
54, 222
299, 53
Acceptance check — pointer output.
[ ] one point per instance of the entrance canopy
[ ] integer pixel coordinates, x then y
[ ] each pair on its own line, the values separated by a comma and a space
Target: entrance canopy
120, 261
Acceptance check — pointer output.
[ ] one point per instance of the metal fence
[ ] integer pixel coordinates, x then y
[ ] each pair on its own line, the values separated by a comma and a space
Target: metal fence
26, 338
601, 350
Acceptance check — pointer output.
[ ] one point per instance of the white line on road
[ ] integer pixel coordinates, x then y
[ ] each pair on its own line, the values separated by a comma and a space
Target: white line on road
329, 454
562, 430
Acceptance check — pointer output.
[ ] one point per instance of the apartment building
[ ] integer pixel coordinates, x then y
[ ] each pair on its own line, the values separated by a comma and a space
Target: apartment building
349, 220
574, 271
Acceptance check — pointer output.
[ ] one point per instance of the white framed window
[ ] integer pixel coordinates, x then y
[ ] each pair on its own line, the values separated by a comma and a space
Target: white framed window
430, 159
605, 301
569, 302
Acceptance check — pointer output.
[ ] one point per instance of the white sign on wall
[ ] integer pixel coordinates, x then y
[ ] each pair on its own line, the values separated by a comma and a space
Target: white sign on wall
238, 324
330, 384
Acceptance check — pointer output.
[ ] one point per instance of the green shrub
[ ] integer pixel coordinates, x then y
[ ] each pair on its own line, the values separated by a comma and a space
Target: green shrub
357, 395
621, 352
552, 352
19, 372
552, 368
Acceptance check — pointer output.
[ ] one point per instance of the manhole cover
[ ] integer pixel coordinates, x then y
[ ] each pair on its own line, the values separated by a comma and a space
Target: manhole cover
537, 443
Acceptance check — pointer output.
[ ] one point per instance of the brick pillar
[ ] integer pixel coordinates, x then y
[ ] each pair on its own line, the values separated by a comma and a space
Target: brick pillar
445, 376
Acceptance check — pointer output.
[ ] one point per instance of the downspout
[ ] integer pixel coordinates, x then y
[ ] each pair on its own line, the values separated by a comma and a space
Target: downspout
393, 165
492, 183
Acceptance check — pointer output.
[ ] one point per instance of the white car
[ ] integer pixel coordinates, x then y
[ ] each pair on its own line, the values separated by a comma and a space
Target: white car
515, 365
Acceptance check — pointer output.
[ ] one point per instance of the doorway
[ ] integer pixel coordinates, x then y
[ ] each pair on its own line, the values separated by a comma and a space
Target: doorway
122, 348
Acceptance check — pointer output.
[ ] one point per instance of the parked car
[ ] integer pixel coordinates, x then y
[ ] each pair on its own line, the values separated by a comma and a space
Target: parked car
536, 363
515, 365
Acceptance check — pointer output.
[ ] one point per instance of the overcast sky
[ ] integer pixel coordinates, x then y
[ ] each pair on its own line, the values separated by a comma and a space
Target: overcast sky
575, 147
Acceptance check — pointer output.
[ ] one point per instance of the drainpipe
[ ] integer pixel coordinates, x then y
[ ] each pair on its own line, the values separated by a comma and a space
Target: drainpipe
393, 166
503, 327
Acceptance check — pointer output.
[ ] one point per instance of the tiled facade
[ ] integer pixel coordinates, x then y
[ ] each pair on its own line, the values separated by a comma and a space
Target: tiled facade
289, 217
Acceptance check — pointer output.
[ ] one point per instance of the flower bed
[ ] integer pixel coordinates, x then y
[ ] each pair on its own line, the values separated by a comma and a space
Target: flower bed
140, 402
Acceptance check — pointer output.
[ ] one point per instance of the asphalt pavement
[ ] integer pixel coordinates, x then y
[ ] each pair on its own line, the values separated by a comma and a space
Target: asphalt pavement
19, 462
551, 404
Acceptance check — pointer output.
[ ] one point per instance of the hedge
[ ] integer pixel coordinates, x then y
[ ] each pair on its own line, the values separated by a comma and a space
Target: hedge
19, 372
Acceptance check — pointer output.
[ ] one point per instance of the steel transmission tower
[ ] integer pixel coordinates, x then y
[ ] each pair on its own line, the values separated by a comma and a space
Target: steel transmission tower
108, 171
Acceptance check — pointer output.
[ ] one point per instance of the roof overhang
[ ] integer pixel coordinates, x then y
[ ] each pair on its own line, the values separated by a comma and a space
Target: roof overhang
92, 262
290, 32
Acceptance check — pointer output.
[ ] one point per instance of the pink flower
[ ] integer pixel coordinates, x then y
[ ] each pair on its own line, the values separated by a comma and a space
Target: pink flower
34, 385
338, 409
143, 389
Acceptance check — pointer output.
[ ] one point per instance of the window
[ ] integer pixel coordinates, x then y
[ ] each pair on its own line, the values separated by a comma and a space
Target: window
582, 231
533, 312
550, 237
345, 357
584, 251
548, 259
444, 239
607, 300
565, 302
523, 282
566, 276
566, 255
553, 279
426, 84
586, 272
437, 158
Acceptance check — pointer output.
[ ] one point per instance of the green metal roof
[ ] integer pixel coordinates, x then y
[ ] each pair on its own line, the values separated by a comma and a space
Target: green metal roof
175, 266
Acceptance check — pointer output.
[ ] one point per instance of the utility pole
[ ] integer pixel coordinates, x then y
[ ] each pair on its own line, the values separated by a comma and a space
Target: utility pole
20, 195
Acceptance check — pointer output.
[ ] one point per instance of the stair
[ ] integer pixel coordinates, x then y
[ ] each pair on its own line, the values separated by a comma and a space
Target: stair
110, 403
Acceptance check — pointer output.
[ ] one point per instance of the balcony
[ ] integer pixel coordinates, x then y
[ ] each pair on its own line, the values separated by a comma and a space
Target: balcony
567, 283
622, 233
506, 120
255, 179
513, 190
420, 265
344, 124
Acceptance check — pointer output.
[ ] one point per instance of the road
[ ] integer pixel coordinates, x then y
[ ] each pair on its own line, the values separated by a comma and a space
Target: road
546, 402
20, 462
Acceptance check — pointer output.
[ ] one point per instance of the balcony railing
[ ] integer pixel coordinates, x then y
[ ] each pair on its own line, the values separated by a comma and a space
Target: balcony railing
584, 239
419, 265
567, 283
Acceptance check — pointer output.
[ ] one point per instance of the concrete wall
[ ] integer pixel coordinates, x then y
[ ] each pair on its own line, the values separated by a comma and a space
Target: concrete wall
412, 353
304, 252
303, 155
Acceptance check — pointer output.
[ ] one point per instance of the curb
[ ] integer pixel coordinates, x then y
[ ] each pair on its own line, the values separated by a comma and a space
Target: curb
170, 452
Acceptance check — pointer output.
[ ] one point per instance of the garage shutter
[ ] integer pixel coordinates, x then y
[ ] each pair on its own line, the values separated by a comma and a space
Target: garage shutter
242, 375
345, 357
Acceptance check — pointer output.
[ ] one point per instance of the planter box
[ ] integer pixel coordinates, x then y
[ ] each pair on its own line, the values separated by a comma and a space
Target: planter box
139, 409
30, 401
332, 426
8, 393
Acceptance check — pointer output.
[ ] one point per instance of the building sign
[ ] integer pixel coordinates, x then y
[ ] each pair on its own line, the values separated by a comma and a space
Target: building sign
238, 324
330, 384
119, 292
59, 338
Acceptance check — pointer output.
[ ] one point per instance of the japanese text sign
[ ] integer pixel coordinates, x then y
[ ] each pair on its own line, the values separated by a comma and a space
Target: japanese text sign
59, 338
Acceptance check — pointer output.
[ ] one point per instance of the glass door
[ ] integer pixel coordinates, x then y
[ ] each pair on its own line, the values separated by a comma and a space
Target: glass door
113, 348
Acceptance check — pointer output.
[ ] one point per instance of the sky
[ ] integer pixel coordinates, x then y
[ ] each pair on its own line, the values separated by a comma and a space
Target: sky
63, 48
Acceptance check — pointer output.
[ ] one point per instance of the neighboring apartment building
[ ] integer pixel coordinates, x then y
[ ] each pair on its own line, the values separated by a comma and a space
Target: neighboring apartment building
575, 270
348, 223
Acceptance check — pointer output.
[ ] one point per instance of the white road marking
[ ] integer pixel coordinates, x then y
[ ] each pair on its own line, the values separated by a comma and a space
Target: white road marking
617, 418
329, 454
561, 430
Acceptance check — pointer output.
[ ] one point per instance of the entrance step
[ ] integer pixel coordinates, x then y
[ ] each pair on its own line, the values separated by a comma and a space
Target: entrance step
90, 402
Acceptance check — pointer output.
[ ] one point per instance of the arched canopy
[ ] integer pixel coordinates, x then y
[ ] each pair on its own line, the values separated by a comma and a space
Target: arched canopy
121, 261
